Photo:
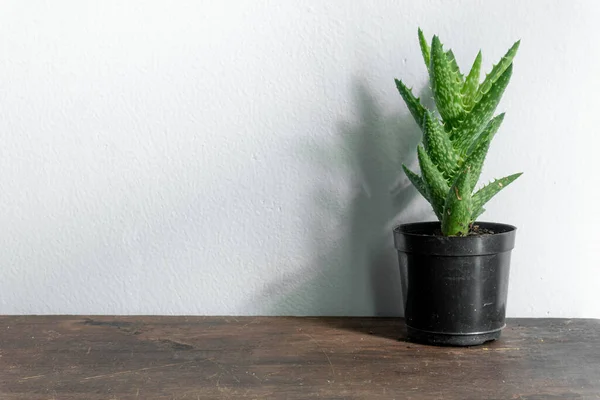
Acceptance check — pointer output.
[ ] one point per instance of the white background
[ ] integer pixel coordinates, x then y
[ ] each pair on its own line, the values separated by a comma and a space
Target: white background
243, 157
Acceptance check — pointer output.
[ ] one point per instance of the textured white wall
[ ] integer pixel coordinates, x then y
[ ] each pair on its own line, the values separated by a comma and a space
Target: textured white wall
237, 157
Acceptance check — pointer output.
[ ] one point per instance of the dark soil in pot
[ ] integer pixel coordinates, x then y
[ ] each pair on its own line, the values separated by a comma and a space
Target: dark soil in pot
457, 286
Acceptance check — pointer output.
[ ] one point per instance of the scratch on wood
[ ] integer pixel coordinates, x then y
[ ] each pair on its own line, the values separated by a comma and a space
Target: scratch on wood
322, 351
254, 375
31, 377
176, 345
249, 323
268, 375
501, 349
124, 326
135, 370
222, 368
212, 376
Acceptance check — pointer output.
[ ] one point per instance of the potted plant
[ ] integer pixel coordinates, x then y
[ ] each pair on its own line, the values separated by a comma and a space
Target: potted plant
457, 268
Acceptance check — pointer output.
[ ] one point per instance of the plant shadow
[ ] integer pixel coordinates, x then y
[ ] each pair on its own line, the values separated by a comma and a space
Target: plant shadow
354, 270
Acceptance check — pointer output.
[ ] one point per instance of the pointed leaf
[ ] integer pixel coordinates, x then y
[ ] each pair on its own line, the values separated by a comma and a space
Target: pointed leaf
488, 132
471, 84
437, 187
476, 120
438, 146
446, 85
475, 162
454, 64
458, 207
484, 194
498, 70
418, 182
477, 214
424, 48
476, 157
413, 103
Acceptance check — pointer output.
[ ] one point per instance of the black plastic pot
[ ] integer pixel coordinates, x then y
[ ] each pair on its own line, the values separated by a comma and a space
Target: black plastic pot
456, 286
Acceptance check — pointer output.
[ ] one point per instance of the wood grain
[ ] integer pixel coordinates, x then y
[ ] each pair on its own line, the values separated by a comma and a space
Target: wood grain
66, 358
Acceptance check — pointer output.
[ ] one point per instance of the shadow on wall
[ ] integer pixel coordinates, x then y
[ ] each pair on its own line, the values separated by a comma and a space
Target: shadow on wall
354, 271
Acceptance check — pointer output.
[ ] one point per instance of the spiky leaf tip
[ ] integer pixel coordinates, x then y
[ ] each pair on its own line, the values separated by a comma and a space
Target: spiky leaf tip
424, 48
488, 132
498, 70
476, 157
476, 120
413, 103
418, 182
469, 89
452, 60
483, 195
445, 84
476, 215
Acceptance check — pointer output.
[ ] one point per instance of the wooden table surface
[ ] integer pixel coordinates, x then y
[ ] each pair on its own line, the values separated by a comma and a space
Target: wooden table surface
110, 358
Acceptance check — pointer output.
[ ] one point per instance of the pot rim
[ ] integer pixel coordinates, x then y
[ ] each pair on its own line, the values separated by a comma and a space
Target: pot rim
404, 229
418, 237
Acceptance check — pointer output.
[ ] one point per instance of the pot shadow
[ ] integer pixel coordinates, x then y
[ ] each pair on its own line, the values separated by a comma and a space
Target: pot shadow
355, 271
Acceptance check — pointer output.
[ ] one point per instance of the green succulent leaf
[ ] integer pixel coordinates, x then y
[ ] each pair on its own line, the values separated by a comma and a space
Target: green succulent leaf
475, 121
476, 157
446, 85
498, 69
458, 207
484, 194
469, 89
413, 103
418, 182
476, 215
454, 64
488, 132
437, 187
438, 145
424, 48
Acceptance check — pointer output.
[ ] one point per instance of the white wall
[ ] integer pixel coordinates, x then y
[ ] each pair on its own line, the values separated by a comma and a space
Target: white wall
236, 157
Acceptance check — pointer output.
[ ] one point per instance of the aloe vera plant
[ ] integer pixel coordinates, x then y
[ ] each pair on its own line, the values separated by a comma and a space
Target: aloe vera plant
456, 139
